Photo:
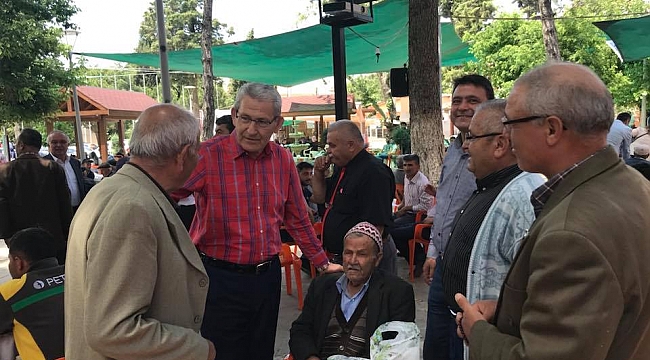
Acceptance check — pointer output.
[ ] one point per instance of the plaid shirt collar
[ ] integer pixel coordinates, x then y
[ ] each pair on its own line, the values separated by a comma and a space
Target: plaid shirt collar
237, 151
540, 196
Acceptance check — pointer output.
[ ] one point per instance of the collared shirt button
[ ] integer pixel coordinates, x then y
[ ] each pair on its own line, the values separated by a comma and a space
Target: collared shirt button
203, 282
257, 184
462, 211
341, 348
197, 319
259, 207
261, 231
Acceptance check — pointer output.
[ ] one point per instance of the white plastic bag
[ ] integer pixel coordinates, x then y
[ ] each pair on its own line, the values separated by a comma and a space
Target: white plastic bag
396, 340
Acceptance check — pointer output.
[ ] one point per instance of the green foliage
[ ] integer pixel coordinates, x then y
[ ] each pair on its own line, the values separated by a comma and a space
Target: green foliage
507, 49
468, 16
402, 137
183, 26
366, 88
31, 74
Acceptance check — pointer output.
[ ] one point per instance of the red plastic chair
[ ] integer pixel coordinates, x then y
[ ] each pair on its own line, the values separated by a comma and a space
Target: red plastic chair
287, 260
417, 239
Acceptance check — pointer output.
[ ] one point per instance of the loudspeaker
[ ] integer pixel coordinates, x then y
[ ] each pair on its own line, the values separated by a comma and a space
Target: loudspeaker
399, 82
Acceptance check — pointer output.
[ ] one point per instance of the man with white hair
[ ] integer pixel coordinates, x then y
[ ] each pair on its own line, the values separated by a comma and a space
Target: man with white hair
135, 285
246, 188
342, 311
58, 142
578, 287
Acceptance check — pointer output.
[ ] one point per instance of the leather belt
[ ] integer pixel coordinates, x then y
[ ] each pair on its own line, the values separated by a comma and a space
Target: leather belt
253, 269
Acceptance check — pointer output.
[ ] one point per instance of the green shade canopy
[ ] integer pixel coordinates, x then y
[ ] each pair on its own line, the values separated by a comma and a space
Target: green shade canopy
630, 36
306, 54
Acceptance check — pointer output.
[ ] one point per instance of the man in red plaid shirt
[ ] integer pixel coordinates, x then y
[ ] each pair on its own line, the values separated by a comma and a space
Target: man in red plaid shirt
246, 187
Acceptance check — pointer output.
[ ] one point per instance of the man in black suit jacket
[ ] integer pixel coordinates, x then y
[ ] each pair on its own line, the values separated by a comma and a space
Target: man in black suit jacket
34, 193
57, 142
343, 311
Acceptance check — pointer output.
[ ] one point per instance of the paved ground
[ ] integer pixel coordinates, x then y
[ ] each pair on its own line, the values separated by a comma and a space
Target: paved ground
289, 304
289, 308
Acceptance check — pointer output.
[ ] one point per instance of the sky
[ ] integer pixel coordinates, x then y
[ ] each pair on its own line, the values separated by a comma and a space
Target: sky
112, 26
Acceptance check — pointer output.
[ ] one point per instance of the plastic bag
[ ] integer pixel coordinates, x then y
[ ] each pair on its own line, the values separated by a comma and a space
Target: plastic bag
396, 340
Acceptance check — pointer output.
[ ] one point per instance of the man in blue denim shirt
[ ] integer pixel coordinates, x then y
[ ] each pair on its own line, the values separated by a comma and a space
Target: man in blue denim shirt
455, 186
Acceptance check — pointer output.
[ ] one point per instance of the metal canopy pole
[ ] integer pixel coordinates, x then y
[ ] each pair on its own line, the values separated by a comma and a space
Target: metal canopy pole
79, 138
644, 116
340, 86
162, 42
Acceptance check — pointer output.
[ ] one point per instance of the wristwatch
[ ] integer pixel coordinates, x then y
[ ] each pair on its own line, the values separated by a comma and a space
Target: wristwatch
323, 267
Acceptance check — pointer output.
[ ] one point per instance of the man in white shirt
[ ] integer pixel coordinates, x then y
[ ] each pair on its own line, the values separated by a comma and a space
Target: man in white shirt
57, 142
415, 198
620, 135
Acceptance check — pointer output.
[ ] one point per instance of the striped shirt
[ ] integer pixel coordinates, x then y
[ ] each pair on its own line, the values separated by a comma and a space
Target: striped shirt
241, 203
414, 194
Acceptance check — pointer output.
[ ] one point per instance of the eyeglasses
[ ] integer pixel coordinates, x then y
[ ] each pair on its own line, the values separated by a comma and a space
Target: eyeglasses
469, 137
261, 123
506, 122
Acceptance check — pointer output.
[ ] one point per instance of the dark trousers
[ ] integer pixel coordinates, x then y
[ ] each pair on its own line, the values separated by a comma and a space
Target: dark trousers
241, 313
440, 340
401, 236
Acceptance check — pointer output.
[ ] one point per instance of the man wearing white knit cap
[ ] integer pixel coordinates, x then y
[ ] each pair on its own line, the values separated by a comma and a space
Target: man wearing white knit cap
342, 311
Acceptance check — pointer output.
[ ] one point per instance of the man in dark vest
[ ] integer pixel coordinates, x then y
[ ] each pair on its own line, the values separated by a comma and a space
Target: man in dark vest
343, 311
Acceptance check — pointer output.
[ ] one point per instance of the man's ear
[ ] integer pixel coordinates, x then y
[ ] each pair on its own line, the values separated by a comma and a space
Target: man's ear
279, 121
379, 256
554, 130
20, 264
502, 146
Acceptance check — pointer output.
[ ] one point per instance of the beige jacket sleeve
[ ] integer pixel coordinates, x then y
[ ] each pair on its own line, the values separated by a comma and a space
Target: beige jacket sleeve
120, 283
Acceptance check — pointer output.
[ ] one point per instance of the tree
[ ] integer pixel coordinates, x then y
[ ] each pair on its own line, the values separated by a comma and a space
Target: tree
424, 85
31, 74
549, 33
467, 15
183, 29
208, 76
507, 49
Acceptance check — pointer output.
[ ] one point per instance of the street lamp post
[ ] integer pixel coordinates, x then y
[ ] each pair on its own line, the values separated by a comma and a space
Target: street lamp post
71, 38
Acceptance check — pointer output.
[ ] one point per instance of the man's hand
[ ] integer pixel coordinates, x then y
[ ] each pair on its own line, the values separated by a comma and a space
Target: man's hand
332, 267
427, 220
430, 189
428, 269
212, 352
321, 164
471, 314
400, 212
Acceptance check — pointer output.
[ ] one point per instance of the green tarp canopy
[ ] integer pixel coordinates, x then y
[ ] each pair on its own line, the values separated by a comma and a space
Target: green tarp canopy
631, 36
306, 54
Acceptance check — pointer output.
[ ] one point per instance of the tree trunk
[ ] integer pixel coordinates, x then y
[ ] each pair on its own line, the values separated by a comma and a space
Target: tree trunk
208, 77
424, 86
549, 32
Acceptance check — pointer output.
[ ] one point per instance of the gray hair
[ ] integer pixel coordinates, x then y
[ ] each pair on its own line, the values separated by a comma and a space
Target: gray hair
55, 132
497, 110
162, 131
348, 128
584, 104
261, 92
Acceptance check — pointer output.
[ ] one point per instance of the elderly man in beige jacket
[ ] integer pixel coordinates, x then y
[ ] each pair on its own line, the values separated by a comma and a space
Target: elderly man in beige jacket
135, 285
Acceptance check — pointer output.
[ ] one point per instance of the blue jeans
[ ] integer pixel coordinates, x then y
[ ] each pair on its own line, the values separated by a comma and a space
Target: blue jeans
440, 339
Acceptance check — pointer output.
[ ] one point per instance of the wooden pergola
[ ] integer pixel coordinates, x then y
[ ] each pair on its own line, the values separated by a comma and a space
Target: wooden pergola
101, 106
295, 107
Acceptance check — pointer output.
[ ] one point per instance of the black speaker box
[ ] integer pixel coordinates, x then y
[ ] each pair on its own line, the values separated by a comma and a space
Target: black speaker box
399, 82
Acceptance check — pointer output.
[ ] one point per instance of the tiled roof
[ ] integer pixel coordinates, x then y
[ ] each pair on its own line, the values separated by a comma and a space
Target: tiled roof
308, 103
117, 99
